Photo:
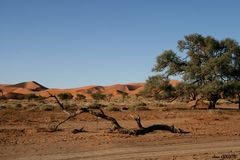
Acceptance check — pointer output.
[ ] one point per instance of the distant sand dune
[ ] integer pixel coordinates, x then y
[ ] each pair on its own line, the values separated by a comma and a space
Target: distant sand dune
38, 89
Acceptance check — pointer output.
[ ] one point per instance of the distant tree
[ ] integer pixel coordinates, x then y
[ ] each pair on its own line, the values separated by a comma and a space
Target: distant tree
65, 96
109, 97
123, 94
139, 94
98, 96
31, 96
80, 97
209, 64
158, 87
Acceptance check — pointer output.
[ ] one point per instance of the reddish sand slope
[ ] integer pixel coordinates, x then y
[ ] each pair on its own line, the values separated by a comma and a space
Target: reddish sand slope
38, 89
14, 90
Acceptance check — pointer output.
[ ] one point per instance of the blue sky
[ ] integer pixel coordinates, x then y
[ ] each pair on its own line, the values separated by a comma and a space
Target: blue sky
72, 43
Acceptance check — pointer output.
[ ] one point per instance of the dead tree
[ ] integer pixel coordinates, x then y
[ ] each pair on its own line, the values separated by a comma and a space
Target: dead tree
116, 127
70, 114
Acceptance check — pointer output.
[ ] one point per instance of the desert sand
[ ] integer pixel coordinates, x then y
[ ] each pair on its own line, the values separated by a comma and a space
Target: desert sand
214, 134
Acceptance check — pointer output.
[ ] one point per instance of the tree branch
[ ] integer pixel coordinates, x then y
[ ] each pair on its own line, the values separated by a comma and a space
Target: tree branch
54, 96
98, 112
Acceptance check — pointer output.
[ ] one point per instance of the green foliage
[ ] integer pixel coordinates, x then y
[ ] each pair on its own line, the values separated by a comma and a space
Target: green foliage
158, 87
65, 96
139, 107
80, 97
209, 64
30, 96
109, 97
18, 105
19, 97
169, 59
112, 108
3, 97
47, 107
186, 91
123, 94
233, 90
98, 96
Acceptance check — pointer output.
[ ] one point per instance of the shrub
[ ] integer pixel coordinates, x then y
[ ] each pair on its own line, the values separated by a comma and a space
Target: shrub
18, 105
123, 94
112, 108
30, 96
47, 107
3, 98
19, 97
139, 107
98, 96
65, 96
80, 97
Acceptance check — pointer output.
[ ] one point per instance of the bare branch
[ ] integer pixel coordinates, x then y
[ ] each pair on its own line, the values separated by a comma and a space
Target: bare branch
98, 112
54, 96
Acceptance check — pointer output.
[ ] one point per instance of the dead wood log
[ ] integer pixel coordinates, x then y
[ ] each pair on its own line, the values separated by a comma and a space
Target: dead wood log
55, 127
152, 128
140, 131
116, 127
75, 131
70, 114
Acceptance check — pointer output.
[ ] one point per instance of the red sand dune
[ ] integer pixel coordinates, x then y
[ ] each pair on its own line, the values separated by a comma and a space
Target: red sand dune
38, 89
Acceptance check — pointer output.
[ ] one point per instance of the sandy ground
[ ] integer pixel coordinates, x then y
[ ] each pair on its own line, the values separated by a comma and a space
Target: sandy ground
214, 135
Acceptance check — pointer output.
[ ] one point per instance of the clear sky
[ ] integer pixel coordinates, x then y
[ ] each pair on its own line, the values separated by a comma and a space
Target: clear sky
72, 43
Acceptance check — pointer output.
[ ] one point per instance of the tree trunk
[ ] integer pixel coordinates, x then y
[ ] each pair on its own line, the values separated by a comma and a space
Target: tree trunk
192, 96
213, 98
212, 104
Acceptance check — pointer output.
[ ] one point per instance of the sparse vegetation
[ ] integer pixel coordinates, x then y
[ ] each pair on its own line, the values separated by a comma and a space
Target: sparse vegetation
139, 107
80, 97
109, 97
123, 94
65, 96
112, 108
31, 96
18, 105
47, 107
158, 87
98, 96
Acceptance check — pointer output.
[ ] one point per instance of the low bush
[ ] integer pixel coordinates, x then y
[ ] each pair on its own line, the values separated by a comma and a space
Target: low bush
65, 96
47, 107
112, 108
139, 107
18, 105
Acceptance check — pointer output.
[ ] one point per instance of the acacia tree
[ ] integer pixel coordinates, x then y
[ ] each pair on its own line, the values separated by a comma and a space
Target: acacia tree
98, 96
65, 96
158, 87
80, 97
187, 91
123, 94
208, 64
109, 97
233, 91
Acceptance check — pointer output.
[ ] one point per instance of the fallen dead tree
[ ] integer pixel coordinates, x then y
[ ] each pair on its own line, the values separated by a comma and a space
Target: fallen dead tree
116, 127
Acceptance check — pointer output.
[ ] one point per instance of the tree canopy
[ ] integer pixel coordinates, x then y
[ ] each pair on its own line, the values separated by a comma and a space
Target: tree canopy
208, 63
